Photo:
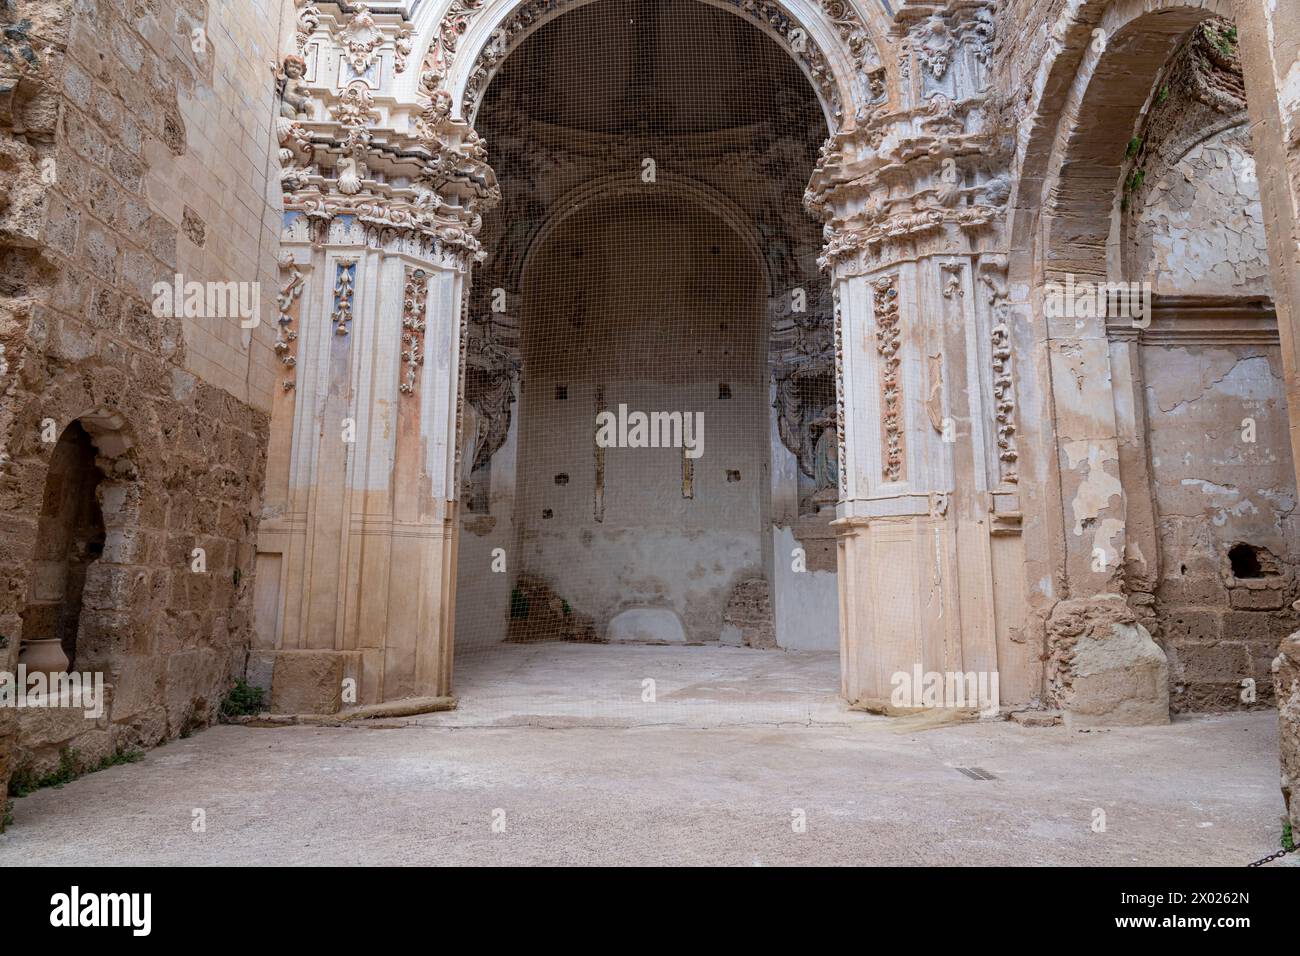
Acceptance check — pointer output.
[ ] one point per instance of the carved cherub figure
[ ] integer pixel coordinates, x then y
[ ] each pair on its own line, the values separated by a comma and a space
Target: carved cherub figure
295, 98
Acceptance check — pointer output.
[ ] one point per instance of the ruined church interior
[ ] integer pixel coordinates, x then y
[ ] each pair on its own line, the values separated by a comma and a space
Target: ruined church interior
557, 397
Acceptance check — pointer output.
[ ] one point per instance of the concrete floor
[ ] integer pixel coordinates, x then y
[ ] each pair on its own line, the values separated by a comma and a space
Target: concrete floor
554, 742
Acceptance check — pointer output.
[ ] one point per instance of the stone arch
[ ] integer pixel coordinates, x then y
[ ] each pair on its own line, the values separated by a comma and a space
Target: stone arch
833, 41
1067, 190
1111, 516
681, 187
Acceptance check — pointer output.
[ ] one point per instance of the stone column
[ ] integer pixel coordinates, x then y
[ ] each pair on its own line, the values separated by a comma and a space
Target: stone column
1269, 40
929, 552
359, 554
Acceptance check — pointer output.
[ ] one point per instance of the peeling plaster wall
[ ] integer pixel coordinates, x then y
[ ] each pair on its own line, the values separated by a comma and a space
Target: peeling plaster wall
1213, 489
1201, 229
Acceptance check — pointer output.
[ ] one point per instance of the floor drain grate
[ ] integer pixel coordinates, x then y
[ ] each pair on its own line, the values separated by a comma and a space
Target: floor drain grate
976, 773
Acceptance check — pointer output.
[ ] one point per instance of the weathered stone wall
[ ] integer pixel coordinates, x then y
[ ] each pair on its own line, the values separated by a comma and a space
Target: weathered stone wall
1271, 61
1224, 489
134, 141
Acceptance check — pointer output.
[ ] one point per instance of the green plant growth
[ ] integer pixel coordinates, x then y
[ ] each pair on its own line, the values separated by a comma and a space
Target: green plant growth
1288, 838
1225, 41
243, 700
7, 817
1133, 146
70, 768
1163, 94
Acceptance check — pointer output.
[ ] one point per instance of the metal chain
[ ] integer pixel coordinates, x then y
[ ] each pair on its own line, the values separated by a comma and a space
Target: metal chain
1273, 856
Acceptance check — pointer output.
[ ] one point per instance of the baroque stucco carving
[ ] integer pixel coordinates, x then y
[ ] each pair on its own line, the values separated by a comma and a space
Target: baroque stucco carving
288, 303
492, 380
415, 297
993, 279
888, 343
789, 32
803, 371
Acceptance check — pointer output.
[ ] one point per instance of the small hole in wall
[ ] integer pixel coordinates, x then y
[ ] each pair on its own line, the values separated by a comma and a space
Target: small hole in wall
1249, 561
733, 475
547, 513
561, 393
724, 390
561, 479
1182, 569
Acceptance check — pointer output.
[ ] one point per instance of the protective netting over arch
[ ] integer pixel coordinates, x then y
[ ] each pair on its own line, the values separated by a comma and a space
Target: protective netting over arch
649, 415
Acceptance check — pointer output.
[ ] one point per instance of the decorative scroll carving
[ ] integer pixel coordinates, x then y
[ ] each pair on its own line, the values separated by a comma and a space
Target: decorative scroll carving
414, 299
453, 26
933, 44
993, 276
840, 416
935, 34
888, 343
287, 302
345, 277
950, 280
355, 111
308, 21
1004, 400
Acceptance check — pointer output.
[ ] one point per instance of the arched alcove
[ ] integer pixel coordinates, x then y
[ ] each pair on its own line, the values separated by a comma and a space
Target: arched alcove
70, 538
651, 253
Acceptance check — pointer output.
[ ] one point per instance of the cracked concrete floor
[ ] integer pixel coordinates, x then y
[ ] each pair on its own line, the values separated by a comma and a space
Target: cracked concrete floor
554, 742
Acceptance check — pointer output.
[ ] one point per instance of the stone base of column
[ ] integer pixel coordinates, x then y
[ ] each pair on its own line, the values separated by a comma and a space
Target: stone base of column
932, 611
889, 618
397, 619
1286, 682
1104, 670
311, 682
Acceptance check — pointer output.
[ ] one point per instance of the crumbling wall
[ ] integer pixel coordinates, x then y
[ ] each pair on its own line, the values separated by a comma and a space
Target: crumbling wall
1191, 210
133, 140
1223, 480
1201, 229
748, 618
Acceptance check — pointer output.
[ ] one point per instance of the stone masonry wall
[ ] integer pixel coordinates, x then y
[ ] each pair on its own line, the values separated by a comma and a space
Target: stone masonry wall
135, 145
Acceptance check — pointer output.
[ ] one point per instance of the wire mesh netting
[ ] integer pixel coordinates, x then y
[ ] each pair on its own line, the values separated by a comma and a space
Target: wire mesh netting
650, 401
